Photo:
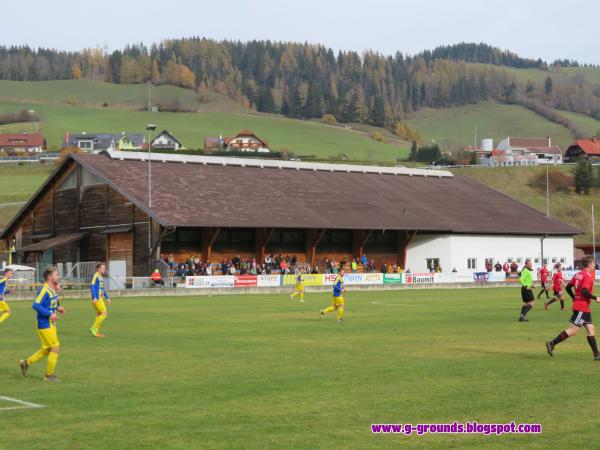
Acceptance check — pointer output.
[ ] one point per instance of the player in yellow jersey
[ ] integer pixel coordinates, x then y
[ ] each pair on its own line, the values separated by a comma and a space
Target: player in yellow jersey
338, 298
99, 294
299, 288
4, 308
46, 305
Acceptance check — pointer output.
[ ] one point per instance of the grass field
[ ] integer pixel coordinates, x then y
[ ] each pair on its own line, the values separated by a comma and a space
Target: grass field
261, 372
455, 127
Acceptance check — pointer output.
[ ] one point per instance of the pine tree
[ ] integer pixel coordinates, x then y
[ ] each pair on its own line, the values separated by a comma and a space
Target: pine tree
413, 151
584, 177
548, 85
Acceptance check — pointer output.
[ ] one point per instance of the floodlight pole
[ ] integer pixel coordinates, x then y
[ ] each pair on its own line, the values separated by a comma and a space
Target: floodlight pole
150, 128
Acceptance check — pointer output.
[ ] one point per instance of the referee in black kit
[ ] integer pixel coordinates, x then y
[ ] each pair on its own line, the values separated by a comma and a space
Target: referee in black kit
527, 296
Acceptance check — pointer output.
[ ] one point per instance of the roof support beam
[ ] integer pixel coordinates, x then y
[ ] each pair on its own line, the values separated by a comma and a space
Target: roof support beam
359, 240
404, 239
209, 236
262, 238
313, 238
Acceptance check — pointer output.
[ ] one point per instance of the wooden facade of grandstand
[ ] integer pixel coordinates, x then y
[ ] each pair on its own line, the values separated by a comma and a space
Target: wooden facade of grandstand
95, 207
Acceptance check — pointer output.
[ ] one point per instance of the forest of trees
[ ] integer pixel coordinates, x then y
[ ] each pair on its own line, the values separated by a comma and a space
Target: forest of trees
308, 81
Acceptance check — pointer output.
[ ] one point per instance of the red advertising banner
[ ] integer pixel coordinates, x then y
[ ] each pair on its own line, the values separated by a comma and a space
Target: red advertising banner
245, 280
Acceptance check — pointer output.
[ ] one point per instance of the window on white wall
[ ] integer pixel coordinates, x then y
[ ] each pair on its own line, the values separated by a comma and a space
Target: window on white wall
472, 263
519, 260
545, 260
554, 260
536, 260
432, 263
563, 260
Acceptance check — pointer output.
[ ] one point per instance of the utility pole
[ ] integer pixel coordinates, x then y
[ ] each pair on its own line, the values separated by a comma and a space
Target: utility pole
548, 192
593, 235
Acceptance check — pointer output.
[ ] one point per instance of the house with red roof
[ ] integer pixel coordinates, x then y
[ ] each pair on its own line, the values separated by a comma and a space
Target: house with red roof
586, 148
11, 143
244, 141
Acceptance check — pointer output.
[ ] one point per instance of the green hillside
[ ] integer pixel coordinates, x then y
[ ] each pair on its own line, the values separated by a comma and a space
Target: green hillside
300, 137
97, 94
77, 105
586, 123
17, 184
564, 74
454, 128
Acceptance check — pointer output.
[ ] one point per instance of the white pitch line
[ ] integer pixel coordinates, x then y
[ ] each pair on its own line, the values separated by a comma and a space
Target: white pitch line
23, 404
376, 302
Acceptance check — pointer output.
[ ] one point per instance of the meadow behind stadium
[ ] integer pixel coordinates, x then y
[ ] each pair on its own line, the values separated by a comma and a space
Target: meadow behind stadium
263, 372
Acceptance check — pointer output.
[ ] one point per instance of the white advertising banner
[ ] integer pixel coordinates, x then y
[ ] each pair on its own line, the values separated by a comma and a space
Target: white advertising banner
215, 281
422, 278
268, 280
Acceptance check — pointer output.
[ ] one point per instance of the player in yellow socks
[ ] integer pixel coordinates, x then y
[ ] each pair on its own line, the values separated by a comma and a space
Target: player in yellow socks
338, 298
4, 308
99, 295
46, 305
299, 288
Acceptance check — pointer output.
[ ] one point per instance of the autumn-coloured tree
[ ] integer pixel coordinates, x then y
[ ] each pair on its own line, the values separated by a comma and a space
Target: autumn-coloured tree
76, 72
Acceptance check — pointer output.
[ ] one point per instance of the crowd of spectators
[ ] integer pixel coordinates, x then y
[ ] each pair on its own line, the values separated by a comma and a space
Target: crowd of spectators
272, 264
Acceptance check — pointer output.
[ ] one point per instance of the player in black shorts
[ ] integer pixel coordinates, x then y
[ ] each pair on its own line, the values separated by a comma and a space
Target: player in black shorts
526, 291
583, 283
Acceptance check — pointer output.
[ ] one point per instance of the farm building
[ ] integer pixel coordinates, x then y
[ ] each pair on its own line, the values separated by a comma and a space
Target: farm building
587, 148
22, 142
244, 141
517, 151
95, 207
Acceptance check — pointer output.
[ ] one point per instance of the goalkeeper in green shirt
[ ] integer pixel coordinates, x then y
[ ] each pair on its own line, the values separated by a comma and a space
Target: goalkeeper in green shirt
527, 296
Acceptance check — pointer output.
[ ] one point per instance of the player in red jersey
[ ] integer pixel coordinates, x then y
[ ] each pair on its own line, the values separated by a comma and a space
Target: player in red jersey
543, 275
558, 284
583, 282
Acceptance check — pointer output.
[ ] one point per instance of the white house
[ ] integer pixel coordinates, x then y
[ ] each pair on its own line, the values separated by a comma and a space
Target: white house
22, 142
166, 141
244, 141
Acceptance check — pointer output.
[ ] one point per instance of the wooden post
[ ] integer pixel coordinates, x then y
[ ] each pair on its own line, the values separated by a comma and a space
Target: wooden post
404, 239
313, 239
262, 238
360, 239
209, 236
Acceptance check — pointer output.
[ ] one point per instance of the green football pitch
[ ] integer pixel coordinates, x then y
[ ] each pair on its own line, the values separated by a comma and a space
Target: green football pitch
259, 371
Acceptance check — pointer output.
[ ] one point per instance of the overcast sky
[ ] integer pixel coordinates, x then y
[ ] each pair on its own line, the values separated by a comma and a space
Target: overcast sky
533, 28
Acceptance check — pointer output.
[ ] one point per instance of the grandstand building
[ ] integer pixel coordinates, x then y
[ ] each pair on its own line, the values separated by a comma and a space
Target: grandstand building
96, 207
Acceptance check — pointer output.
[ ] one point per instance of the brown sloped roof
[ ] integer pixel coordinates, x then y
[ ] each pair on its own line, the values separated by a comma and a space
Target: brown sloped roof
22, 140
529, 142
53, 242
197, 195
